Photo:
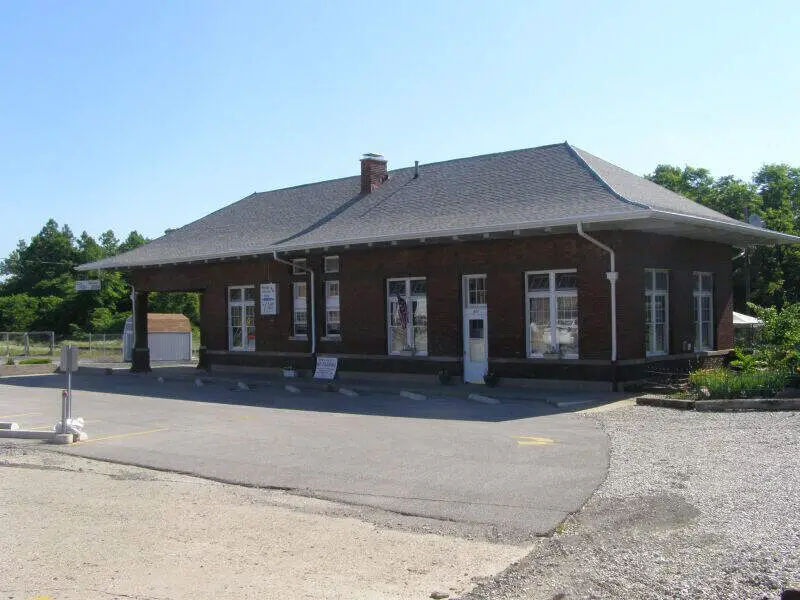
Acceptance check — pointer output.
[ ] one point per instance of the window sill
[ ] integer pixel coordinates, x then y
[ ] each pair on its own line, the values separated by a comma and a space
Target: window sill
331, 338
298, 338
408, 354
553, 357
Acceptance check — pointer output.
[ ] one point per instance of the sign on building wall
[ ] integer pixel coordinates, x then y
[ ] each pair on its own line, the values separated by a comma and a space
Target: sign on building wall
269, 299
326, 367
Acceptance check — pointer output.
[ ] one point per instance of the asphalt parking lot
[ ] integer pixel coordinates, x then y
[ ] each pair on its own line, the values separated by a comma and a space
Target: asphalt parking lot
514, 469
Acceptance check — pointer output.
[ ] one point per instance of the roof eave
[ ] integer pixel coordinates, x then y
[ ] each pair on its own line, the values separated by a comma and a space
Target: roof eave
748, 234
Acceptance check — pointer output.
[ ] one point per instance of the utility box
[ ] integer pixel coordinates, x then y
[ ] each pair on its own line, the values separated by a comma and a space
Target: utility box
69, 359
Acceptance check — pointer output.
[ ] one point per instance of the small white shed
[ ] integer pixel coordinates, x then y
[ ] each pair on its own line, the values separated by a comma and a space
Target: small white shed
169, 337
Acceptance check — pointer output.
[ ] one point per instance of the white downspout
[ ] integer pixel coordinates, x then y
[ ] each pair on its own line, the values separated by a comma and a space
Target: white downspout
311, 299
612, 277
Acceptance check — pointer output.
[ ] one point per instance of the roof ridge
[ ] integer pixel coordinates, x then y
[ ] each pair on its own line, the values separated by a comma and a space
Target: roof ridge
399, 169
596, 175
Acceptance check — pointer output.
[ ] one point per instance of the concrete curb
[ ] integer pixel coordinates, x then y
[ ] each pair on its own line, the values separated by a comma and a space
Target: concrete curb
569, 403
764, 404
47, 436
757, 404
9, 425
665, 402
348, 392
413, 395
483, 399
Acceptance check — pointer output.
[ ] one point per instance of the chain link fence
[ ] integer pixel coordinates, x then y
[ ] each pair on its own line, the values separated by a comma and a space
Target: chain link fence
27, 344
97, 347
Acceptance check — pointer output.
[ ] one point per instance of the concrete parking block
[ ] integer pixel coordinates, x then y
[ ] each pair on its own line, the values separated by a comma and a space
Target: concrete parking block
292, 388
348, 392
483, 399
413, 395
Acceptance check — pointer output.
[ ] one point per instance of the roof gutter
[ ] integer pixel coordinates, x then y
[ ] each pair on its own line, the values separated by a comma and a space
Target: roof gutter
612, 277
311, 299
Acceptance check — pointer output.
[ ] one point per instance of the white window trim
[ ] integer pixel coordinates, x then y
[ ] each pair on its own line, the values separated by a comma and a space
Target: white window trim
295, 335
697, 295
325, 264
299, 262
652, 293
333, 336
410, 326
552, 293
243, 304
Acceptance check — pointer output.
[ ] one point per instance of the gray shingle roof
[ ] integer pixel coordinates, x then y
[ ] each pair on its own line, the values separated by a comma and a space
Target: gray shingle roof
532, 188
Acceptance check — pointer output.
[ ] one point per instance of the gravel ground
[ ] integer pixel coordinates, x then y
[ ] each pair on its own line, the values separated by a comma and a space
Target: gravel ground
696, 505
77, 529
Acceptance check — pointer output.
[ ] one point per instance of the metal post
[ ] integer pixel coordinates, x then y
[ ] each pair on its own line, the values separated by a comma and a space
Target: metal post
52, 342
27, 346
69, 392
63, 411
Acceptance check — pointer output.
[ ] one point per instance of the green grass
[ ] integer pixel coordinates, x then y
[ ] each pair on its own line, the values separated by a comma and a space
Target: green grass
724, 383
35, 361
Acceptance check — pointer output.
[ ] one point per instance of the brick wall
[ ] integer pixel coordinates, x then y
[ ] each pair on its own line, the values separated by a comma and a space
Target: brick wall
363, 275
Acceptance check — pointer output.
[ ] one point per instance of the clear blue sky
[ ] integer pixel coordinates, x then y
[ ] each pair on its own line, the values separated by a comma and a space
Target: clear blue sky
147, 115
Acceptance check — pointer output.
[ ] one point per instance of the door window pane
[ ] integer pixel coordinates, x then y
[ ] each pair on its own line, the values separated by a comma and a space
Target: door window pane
408, 316
538, 281
477, 340
566, 281
541, 332
241, 316
567, 324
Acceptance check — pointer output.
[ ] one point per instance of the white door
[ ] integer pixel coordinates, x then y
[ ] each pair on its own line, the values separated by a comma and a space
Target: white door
476, 335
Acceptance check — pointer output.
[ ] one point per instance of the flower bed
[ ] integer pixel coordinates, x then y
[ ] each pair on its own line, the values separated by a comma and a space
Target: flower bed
725, 383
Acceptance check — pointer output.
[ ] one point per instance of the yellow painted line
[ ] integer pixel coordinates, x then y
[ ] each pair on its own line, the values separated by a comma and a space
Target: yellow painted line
121, 435
530, 440
19, 415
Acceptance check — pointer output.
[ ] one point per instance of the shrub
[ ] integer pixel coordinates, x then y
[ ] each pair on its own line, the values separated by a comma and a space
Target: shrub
724, 383
35, 361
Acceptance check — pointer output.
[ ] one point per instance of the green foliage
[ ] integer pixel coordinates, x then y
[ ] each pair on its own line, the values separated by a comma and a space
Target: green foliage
105, 320
724, 383
35, 361
774, 195
778, 347
746, 362
38, 291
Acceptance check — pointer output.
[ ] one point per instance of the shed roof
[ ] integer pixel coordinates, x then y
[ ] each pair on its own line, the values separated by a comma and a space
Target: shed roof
535, 189
165, 323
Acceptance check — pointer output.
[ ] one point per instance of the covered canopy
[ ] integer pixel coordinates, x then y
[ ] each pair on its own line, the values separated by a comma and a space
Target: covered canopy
743, 320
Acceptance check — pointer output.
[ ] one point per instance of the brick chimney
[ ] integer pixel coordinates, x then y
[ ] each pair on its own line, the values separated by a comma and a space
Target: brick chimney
373, 172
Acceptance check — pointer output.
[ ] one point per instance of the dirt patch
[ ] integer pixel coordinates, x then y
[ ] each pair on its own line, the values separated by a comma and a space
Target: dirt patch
17, 370
76, 528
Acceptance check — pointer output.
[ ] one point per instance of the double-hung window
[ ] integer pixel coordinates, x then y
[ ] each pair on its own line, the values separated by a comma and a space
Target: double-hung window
407, 307
702, 303
299, 309
656, 311
242, 318
552, 313
333, 326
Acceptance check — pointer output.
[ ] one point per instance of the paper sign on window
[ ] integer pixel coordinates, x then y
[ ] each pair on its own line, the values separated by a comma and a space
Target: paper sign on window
269, 299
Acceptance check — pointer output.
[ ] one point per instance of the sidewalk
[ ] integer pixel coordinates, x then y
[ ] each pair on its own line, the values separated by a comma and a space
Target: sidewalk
411, 387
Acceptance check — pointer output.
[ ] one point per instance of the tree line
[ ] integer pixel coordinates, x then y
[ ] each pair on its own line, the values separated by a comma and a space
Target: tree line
37, 292
773, 193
